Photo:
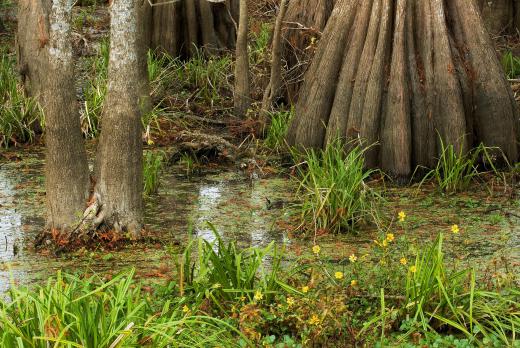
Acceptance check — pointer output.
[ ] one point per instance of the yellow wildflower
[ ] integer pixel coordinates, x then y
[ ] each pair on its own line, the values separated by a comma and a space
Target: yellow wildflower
352, 258
353, 283
305, 289
258, 295
413, 269
242, 298
455, 229
385, 243
403, 261
185, 309
402, 216
390, 237
316, 249
314, 320
290, 301
338, 275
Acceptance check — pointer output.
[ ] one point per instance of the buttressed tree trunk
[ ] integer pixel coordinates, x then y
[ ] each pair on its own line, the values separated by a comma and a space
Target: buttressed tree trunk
500, 16
242, 93
119, 181
400, 73
181, 27
304, 22
45, 50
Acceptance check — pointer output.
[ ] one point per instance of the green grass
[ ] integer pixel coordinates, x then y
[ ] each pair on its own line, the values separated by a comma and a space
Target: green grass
456, 170
511, 65
277, 130
438, 299
332, 188
70, 311
152, 165
18, 114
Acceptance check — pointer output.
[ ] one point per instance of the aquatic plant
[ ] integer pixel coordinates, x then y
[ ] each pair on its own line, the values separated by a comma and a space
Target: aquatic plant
456, 170
19, 115
332, 187
152, 165
279, 123
71, 311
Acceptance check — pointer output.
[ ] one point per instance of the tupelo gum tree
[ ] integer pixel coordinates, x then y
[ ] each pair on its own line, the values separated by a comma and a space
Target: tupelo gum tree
400, 74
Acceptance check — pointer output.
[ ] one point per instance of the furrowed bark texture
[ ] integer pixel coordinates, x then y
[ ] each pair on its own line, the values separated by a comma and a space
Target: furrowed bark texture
501, 16
119, 158
401, 74
180, 28
45, 52
242, 93
303, 24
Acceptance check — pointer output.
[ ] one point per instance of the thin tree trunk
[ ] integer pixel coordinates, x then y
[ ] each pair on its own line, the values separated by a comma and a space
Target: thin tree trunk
242, 94
402, 74
275, 83
49, 75
119, 159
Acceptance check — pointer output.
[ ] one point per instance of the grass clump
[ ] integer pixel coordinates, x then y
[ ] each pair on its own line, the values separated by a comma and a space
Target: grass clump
152, 165
278, 127
440, 300
456, 170
332, 188
511, 65
70, 311
19, 115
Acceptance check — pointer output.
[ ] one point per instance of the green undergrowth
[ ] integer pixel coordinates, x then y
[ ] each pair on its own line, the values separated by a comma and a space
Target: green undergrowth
278, 127
153, 162
19, 115
511, 65
333, 188
397, 294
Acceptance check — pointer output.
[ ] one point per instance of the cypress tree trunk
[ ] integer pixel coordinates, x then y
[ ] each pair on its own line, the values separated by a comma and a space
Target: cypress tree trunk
400, 72
119, 159
304, 23
501, 16
180, 28
45, 52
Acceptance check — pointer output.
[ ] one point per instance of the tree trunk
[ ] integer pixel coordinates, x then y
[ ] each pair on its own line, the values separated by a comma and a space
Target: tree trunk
242, 93
501, 16
45, 51
275, 82
400, 74
304, 23
119, 159
180, 28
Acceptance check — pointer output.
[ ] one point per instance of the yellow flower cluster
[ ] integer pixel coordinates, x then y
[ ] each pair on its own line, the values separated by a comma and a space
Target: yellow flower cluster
401, 216
314, 320
338, 275
258, 295
352, 258
316, 249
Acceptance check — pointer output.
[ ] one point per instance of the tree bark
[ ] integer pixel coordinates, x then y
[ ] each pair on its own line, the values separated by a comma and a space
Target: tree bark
275, 82
180, 28
401, 73
304, 23
119, 185
45, 50
242, 93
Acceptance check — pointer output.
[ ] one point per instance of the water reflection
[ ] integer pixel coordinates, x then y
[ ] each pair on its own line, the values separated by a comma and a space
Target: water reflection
11, 232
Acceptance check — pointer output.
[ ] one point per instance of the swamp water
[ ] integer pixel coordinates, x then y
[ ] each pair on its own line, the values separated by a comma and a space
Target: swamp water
238, 210
183, 207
